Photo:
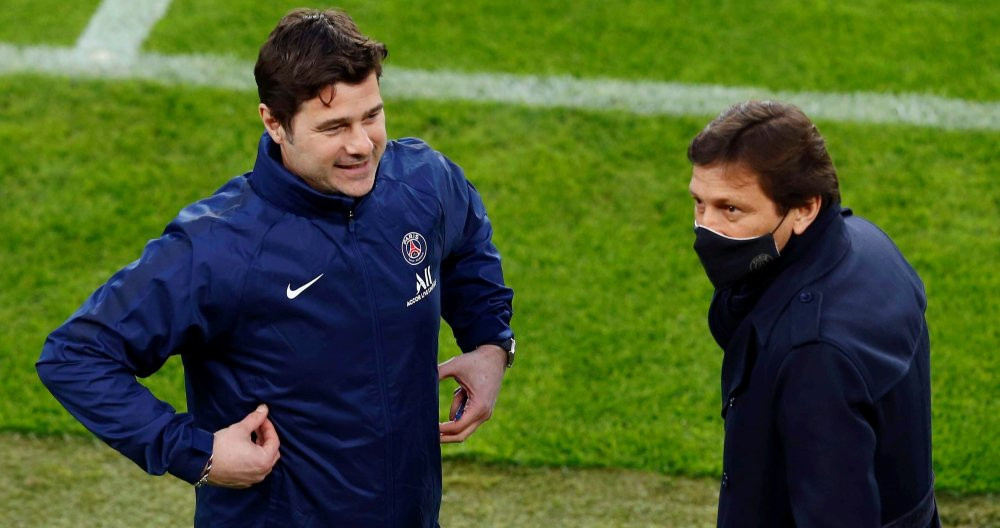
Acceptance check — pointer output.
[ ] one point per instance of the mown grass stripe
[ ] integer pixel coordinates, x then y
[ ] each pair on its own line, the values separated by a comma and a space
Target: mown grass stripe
636, 97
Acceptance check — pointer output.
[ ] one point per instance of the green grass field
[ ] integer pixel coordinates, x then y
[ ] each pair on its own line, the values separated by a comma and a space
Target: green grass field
616, 366
66, 481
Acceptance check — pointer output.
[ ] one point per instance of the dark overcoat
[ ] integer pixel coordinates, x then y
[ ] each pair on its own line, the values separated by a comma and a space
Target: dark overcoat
826, 385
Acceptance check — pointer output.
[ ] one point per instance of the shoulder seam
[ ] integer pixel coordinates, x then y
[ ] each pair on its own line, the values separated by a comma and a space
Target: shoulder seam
840, 351
246, 274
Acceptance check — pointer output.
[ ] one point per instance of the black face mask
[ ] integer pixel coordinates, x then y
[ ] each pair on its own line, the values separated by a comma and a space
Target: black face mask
729, 260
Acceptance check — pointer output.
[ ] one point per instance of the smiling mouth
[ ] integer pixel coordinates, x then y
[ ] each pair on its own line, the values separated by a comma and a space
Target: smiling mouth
354, 166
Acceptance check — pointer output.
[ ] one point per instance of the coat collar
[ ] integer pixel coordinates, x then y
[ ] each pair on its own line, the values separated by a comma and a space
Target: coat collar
805, 259
811, 256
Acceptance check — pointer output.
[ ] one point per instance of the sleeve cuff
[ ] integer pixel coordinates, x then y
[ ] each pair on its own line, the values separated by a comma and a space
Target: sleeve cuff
188, 466
484, 333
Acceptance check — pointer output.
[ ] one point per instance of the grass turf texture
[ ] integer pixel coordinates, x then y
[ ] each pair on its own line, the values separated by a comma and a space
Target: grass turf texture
617, 368
947, 48
48, 22
58, 482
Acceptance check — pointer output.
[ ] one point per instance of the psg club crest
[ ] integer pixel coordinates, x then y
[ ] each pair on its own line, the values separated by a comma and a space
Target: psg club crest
414, 248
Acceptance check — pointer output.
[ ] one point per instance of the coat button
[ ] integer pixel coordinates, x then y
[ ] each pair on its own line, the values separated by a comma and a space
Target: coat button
806, 297
725, 479
732, 401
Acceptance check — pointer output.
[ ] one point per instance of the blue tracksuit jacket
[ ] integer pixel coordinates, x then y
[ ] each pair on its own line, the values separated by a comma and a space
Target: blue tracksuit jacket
326, 308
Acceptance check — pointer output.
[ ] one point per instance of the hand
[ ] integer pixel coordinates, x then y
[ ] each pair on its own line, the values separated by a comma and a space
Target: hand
479, 374
238, 461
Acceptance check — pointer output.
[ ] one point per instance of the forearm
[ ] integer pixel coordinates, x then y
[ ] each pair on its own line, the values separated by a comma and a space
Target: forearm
105, 397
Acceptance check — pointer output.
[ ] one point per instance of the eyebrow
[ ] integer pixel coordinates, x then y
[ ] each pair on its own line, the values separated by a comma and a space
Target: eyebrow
728, 199
330, 123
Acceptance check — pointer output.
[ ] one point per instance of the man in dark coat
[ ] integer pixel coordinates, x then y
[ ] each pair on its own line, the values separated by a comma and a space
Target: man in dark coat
826, 373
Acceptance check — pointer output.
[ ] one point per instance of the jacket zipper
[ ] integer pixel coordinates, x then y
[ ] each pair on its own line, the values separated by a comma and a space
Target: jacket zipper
380, 366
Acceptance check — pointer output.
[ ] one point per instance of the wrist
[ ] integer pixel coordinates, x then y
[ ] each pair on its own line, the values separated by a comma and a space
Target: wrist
496, 354
203, 479
507, 347
188, 460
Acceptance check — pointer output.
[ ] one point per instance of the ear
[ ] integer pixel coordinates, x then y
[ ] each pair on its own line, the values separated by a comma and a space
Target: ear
802, 217
274, 128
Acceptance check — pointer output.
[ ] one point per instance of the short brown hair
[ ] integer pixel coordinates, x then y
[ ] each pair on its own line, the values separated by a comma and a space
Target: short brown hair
309, 50
779, 144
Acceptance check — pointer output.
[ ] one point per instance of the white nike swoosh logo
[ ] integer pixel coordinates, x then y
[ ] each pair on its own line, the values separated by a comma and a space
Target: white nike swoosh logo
295, 293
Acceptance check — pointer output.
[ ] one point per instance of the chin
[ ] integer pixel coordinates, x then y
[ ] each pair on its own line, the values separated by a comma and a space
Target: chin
358, 189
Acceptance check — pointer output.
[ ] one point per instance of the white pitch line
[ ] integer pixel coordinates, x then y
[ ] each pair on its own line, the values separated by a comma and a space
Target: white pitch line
667, 98
118, 28
635, 97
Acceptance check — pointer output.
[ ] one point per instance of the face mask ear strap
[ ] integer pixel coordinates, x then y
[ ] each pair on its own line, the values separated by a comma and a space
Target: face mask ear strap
781, 222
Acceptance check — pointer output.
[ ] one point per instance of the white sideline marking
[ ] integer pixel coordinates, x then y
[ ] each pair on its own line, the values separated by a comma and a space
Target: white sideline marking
117, 29
637, 97
198, 70
109, 49
666, 98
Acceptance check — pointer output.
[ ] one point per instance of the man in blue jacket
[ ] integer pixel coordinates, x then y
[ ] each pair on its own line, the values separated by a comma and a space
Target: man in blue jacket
305, 299
826, 373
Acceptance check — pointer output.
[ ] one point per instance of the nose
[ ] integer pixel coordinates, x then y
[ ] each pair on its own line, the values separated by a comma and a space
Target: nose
709, 217
358, 143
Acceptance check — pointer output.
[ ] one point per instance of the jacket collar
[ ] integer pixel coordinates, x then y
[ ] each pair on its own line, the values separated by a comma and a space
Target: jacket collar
276, 184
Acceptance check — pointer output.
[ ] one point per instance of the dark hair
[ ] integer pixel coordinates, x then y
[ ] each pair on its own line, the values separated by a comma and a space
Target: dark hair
309, 50
778, 143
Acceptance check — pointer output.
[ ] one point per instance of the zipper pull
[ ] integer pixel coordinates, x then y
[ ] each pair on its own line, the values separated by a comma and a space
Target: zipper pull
350, 220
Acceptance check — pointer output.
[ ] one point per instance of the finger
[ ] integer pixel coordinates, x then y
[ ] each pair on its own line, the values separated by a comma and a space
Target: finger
453, 428
473, 416
263, 431
267, 438
254, 419
476, 410
460, 435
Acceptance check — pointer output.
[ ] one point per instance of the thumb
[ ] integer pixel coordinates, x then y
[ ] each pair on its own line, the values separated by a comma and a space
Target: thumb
254, 419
